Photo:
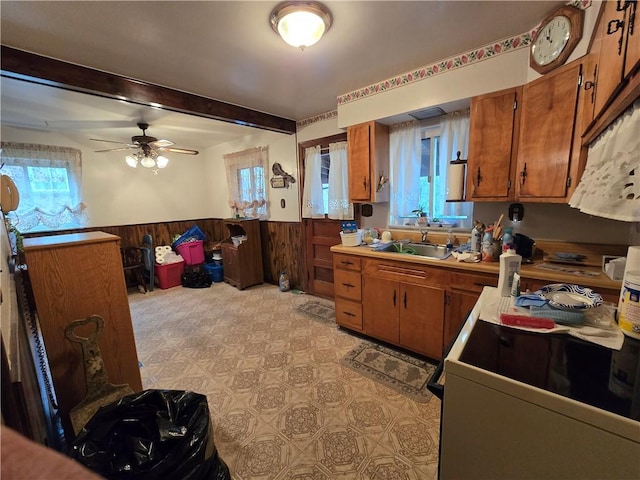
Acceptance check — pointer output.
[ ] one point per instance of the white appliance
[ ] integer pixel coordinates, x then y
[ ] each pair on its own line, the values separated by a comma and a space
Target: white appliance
495, 426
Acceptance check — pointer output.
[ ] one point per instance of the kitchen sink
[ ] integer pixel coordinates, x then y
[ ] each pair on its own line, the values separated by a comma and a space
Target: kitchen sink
428, 250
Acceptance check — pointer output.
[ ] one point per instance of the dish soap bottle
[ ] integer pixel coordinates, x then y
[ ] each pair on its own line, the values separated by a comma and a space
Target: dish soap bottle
510, 263
283, 283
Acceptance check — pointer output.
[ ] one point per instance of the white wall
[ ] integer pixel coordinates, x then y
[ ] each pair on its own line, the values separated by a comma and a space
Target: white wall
282, 150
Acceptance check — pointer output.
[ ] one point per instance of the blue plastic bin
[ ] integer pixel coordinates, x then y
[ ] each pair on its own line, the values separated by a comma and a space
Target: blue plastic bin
216, 272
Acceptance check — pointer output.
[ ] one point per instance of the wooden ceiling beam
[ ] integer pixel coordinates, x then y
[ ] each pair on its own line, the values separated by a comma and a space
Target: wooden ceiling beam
57, 73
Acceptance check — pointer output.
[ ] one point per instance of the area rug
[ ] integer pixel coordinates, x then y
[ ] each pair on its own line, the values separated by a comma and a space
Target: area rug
318, 311
396, 370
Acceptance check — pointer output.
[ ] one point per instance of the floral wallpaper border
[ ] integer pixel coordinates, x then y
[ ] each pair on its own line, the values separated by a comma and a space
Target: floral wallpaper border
443, 66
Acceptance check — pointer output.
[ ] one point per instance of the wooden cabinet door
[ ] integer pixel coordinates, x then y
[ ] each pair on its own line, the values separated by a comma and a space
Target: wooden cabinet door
632, 26
546, 134
380, 307
231, 264
611, 62
421, 319
459, 303
359, 157
492, 149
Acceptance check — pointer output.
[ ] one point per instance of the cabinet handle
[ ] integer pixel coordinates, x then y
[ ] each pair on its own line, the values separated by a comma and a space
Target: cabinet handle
478, 284
478, 178
364, 182
348, 285
349, 314
405, 300
632, 18
523, 174
612, 27
623, 5
394, 298
346, 262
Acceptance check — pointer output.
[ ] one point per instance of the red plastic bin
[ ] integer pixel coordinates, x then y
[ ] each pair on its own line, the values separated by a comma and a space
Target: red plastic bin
169, 275
191, 252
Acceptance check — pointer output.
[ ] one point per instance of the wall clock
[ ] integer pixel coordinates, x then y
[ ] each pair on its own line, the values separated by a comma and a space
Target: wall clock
557, 36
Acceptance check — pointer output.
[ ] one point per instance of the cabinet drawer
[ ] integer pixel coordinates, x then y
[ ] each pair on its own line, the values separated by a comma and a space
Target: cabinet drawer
349, 314
347, 284
472, 282
346, 262
406, 272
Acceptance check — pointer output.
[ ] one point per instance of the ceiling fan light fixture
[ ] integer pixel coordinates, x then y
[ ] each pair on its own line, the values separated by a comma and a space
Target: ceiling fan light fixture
301, 24
148, 162
131, 160
162, 161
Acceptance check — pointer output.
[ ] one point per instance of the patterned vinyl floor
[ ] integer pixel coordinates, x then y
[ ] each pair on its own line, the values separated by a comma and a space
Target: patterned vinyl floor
282, 405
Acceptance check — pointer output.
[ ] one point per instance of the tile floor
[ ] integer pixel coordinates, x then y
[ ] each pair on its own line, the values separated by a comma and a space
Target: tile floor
282, 405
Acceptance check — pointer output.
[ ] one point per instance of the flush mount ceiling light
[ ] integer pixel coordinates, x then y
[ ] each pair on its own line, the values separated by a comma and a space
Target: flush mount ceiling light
301, 24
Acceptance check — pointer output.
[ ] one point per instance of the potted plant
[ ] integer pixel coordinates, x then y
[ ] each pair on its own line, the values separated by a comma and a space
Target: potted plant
422, 216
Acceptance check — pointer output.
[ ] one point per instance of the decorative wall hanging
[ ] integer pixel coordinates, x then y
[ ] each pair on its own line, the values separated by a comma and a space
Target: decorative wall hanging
281, 178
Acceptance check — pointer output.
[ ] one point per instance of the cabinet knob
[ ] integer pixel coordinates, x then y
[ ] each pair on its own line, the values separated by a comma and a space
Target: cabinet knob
478, 178
523, 174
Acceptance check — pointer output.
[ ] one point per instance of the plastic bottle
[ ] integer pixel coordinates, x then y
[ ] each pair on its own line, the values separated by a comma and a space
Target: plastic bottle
507, 238
510, 263
476, 237
284, 282
450, 240
487, 245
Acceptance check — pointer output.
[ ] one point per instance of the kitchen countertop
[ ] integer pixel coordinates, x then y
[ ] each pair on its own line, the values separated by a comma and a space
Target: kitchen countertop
527, 271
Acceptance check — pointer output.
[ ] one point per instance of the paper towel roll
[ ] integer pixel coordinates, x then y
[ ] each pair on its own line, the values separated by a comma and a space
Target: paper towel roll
160, 259
455, 181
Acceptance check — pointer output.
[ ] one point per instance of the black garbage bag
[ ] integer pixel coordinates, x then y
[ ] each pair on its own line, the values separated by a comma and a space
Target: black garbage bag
154, 434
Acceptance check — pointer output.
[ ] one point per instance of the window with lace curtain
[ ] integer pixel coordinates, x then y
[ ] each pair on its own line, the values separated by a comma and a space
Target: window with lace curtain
49, 181
246, 182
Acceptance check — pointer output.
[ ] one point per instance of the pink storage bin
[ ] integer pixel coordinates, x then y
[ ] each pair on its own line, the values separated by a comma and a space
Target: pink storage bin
191, 252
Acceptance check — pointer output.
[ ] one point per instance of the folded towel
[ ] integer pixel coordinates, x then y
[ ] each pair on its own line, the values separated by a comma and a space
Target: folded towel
530, 300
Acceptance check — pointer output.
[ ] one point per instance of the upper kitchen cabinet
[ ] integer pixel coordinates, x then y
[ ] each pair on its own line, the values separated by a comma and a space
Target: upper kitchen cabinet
493, 134
613, 80
368, 154
617, 44
545, 146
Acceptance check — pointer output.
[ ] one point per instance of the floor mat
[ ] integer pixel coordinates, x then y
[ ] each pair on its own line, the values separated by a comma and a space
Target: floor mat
318, 311
396, 370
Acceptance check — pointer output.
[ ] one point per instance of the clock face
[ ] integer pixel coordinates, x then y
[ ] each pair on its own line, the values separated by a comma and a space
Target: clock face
551, 40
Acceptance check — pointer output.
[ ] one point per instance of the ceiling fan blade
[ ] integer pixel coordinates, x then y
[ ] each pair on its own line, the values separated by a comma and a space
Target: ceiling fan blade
116, 149
108, 141
178, 150
161, 143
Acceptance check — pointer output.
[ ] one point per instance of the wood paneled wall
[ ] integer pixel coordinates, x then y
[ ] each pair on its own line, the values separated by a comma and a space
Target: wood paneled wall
283, 246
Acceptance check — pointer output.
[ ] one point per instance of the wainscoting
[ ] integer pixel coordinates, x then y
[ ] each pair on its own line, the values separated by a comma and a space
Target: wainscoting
282, 242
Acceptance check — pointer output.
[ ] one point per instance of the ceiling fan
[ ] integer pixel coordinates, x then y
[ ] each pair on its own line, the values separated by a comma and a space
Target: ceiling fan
149, 149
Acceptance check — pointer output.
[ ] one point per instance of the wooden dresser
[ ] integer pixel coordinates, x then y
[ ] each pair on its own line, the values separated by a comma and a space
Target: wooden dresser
243, 263
72, 277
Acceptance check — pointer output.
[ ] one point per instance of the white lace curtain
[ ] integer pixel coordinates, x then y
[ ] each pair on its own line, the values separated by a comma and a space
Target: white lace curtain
49, 180
338, 205
406, 150
340, 208
610, 184
454, 138
312, 200
247, 193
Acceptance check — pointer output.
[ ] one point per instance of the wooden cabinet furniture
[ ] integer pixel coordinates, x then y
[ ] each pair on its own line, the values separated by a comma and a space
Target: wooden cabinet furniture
347, 285
463, 291
524, 142
545, 144
73, 277
403, 304
493, 135
242, 263
368, 157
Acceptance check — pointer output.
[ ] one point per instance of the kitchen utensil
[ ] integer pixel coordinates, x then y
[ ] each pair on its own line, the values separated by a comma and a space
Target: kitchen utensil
99, 391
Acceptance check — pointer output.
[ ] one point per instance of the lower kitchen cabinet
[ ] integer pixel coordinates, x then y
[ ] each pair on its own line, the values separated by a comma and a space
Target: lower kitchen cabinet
399, 306
347, 286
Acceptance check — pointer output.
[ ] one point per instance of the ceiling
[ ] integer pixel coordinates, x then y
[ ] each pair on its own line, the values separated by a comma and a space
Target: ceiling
226, 50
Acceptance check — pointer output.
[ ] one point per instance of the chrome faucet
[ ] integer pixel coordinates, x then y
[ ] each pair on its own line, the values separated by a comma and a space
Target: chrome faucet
424, 235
